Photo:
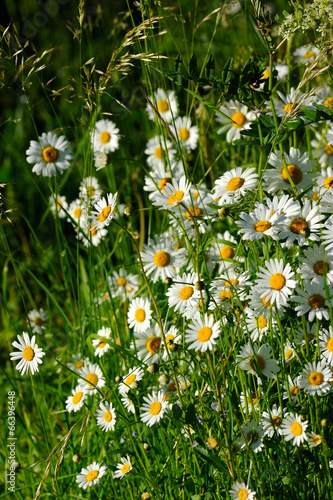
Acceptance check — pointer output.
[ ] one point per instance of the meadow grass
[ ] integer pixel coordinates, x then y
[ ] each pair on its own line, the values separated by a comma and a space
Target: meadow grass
181, 297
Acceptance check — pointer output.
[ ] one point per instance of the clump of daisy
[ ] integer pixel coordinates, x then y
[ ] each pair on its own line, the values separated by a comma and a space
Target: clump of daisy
91, 475
28, 354
50, 155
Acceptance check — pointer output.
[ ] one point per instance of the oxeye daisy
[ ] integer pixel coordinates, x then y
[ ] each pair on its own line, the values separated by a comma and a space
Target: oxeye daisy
58, 205
315, 264
303, 226
314, 379
50, 155
161, 260
271, 421
77, 362
91, 475
284, 205
309, 334
292, 387
293, 428
139, 314
326, 202
93, 378
306, 54
90, 190
186, 134
313, 299
89, 234
290, 103
38, 320
253, 434
182, 293
104, 212
249, 401
262, 222
203, 333
124, 284
153, 409
77, 212
123, 467
166, 104
134, 375
128, 403
323, 152
105, 137
156, 181
195, 212
275, 282
159, 151
257, 326
327, 234
326, 344
232, 185
325, 178
101, 159
28, 354
76, 400
102, 347
173, 193
314, 439
237, 118
171, 336
106, 417
257, 361
288, 352
148, 344
262, 305
298, 166
240, 491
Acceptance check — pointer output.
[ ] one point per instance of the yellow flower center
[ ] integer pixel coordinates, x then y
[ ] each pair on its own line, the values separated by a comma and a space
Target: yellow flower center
212, 443
231, 282
59, 204
77, 398
289, 353
296, 429
319, 268
104, 137
308, 54
162, 259
328, 149
315, 378
298, 225
239, 119
38, 321
193, 212
122, 281
329, 181
266, 74
77, 212
266, 303
329, 102
316, 301
162, 106
107, 416
106, 296
204, 334
329, 345
242, 494
163, 182
262, 226
92, 379
104, 214
277, 281
50, 154
140, 315
235, 183
169, 339
130, 379
125, 468
225, 295
186, 292
101, 344
176, 197
92, 475
79, 364
184, 134
158, 153
316, 440
277, 421
227, 252
153, 344
92, 230
260, 362
262, 321
295, 174
28, 353
288, 107
294, 391
155, 408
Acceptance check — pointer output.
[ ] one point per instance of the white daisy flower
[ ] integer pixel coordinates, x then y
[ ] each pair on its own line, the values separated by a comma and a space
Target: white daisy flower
232, 185
262, 222
314, 264
225, 249
171, 337
187, 135
148, 344
50, 155
166, 103
105, 137
91, 475
234, 285
257, 361
314, 439
288, 352
76, 400
89, 234
271, 421
93, 378
128, 403
294, 389
275, 282
59, 205
298, 167
102, 347
37, 320
124, 284
306, 54
159, 151
195, 211
156, 181
139, 314
326, 344
323, 149
129, 381
101, 160
182, 293
240, 491
77, 211
253, 434
77, 362
90, 190
153, 409
325, 178
257, 326
173, 193
123, 467
161, 260
283, 205
104, 212
313, 299
262, 305
314, 379
250, 401
240, 118
302, 227
203, 333
28, 354
326, 202
293, 428
106, 417
327, 234
310, 333
290, 103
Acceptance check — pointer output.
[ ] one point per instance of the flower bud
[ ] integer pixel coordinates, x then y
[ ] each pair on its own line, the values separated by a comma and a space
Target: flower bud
153, 368
76, 458
163, 379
